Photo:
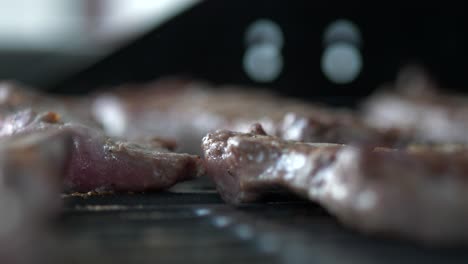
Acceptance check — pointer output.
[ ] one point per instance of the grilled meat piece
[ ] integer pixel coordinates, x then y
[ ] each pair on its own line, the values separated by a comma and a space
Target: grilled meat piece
417, 108
32, 168
31, 171
15, 97
337, 127
101, 163
418, 193
184, 111
187, 110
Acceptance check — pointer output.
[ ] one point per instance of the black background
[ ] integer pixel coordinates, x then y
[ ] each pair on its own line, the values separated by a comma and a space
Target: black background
207, 42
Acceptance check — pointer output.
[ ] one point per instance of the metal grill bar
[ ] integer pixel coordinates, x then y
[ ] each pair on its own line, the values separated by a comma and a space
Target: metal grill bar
176, 227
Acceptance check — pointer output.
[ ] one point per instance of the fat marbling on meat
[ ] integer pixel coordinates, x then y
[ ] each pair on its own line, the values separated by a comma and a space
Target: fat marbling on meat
418, 193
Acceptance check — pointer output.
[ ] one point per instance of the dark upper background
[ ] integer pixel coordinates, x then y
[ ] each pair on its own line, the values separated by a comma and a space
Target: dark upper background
207, 42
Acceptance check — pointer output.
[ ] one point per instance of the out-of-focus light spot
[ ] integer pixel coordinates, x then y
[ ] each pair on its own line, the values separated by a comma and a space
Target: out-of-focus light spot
109, 111
221, 221
202, 212
342, 30
263, 63
264, 31
341, 63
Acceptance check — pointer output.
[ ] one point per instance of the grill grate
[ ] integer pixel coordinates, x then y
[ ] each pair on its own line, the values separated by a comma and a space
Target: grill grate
196, 226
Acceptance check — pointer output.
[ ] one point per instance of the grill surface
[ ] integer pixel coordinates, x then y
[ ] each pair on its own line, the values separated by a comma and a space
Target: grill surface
192, 224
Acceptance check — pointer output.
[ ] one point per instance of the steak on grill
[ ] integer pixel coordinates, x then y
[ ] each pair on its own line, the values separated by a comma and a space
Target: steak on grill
31, 171
15, 97
417, 108
101, 163
418, 193
187, 110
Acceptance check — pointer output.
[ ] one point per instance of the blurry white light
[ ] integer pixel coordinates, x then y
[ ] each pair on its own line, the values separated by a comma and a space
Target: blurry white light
130, 17
264, 31
40, 23
109, 111
221, 221
342, 30
202, 211
341, 63
263, 63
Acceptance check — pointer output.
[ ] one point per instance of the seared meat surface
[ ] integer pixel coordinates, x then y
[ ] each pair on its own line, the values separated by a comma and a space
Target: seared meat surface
186, 110
101, 163
418, 193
